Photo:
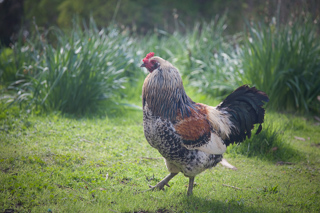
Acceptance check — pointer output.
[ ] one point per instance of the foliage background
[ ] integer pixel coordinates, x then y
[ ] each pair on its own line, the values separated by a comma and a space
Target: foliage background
56, 54
143, 16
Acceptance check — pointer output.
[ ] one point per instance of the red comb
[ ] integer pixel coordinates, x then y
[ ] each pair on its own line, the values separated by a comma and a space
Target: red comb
149, 55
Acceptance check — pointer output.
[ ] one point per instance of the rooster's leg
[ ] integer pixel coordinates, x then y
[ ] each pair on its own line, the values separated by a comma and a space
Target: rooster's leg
163, 183
191, 181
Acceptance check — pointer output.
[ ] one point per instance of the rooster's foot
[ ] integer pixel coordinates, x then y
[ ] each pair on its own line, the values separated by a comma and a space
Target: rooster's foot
161, 184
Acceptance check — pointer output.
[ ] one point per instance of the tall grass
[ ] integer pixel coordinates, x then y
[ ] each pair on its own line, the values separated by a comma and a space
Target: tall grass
284, 62
79, 73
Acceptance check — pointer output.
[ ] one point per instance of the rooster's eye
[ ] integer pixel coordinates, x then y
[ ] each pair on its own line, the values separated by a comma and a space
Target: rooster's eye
152, 65
155, 65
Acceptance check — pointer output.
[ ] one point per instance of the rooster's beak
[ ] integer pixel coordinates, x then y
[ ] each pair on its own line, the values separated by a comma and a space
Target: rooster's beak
143, 65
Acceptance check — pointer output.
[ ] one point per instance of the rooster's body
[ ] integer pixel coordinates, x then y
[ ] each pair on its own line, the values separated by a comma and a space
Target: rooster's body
190, 136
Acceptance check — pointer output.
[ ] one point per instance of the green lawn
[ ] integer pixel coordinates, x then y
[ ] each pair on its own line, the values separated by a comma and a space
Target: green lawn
62, 164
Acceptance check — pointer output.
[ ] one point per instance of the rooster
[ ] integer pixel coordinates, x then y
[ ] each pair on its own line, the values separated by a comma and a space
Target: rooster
192, 136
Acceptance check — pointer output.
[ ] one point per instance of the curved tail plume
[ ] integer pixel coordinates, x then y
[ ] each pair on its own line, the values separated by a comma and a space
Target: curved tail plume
245, 107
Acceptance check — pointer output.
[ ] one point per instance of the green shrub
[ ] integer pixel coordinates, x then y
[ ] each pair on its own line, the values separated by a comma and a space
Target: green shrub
284, 62
79, 73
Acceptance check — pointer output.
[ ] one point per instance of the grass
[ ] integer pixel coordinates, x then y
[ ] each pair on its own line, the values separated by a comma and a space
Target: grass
64, 164
271, 144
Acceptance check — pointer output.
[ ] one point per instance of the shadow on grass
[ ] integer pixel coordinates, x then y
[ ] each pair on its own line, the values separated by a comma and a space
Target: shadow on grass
269, 144
199, 204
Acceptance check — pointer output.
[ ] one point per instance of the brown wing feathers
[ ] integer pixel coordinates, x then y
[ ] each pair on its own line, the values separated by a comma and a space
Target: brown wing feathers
194, 130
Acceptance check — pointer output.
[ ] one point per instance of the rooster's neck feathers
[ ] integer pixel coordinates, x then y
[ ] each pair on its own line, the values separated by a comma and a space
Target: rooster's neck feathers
164, 93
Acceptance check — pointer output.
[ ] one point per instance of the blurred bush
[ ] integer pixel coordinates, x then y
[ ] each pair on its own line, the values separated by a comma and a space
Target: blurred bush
77, 74
16, 61
284, 61
281, 60
212, 58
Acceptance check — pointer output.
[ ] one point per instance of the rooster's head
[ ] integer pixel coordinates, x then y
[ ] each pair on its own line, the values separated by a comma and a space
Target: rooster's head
151, 62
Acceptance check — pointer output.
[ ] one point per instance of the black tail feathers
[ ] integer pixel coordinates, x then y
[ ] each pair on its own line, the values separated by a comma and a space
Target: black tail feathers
245, 107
